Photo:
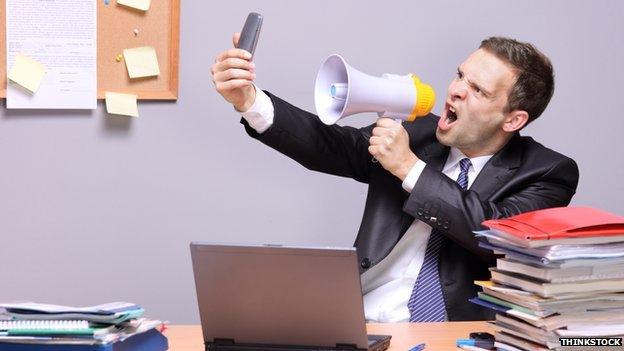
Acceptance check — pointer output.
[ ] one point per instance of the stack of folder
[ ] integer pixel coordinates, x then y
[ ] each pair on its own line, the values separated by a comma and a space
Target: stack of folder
116, 326
561, 276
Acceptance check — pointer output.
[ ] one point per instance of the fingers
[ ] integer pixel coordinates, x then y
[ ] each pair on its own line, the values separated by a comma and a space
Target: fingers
373, 150
231, 68
385, 134
235, 38
381, 141
389, 133
233, 73
378, 131
387, 122
233, 63
233, 53
232, 84
377, 151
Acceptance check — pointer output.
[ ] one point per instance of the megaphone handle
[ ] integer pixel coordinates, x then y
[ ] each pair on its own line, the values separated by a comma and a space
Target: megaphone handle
398, 120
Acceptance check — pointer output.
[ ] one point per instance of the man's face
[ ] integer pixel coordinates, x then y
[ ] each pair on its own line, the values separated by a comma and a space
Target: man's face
473, 115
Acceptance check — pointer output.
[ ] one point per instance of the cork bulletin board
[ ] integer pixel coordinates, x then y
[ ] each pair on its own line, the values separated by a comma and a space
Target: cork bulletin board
159, 27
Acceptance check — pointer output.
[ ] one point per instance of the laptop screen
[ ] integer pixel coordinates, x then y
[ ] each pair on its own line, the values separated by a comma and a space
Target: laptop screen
279, 295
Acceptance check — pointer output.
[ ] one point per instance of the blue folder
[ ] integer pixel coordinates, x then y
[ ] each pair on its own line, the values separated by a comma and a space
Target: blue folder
151, 340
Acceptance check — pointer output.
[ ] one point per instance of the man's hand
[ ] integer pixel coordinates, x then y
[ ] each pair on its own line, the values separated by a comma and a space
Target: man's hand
389, 144
232, 75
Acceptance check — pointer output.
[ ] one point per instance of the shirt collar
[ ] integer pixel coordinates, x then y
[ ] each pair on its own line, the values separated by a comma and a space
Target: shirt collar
455, 156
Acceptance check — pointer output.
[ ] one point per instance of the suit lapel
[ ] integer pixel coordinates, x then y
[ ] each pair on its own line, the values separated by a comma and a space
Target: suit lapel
499, 168
435, 155
496, 171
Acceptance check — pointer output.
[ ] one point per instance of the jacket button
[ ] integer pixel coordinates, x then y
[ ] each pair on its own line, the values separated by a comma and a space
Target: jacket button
365, 263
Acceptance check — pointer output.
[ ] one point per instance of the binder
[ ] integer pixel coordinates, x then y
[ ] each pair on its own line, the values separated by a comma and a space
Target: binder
560, 222
151, 340
109, 313
48, 328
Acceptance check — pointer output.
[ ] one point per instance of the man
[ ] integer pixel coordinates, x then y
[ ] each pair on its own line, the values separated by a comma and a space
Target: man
436, 179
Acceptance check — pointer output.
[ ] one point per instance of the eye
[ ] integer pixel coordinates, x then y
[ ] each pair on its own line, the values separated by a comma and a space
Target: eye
477, 90
460, 75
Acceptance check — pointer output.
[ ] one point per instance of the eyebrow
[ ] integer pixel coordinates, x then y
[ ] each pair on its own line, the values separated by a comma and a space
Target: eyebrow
486, 92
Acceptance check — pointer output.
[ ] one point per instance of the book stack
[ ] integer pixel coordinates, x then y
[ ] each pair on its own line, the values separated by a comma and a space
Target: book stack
559, 282
116, 326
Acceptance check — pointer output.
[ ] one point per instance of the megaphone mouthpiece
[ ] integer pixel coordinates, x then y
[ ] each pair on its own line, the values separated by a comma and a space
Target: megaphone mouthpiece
425, 99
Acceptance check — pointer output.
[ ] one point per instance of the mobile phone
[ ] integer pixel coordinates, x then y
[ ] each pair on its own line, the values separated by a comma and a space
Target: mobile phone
250, 33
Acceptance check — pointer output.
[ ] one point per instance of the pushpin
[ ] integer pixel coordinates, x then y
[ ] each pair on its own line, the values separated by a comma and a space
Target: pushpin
118, 58
136, 31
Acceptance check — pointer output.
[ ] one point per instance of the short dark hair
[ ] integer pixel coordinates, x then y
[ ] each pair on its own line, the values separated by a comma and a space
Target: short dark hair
535, 81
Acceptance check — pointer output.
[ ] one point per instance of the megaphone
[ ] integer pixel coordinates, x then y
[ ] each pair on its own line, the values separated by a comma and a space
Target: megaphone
341, 90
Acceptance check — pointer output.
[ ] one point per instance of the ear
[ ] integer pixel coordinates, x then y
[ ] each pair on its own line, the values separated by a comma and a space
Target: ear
515, 120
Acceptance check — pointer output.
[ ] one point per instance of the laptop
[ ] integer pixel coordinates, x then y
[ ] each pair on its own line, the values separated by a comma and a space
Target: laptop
268, 297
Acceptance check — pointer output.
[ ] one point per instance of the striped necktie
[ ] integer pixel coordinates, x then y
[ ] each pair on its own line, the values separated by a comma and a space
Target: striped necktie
426, 303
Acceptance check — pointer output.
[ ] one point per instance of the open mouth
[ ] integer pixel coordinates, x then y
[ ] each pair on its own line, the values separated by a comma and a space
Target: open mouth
449, 116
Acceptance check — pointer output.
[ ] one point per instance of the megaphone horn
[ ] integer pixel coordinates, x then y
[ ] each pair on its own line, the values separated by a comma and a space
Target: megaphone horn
341, 90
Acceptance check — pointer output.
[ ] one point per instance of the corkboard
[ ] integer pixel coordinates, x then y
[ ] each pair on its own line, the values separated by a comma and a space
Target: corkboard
158, 27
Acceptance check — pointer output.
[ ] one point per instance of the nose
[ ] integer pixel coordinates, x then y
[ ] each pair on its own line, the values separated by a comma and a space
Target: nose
457, 90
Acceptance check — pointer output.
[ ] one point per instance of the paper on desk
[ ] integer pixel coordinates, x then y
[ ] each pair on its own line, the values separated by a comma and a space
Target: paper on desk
121, 104
61, 35
142, 5
27, 72
141, 62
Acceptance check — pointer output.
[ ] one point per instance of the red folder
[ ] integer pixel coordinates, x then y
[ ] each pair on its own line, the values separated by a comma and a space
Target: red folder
560, 222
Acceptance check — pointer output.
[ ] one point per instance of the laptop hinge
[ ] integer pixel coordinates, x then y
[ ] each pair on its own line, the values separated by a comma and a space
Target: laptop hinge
230, 344
218, 342
223, 341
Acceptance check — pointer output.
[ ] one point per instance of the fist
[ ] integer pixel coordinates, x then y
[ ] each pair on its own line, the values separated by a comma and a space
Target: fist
389, 144
233, 74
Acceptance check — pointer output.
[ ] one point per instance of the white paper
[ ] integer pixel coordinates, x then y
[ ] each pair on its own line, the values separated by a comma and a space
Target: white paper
62, 35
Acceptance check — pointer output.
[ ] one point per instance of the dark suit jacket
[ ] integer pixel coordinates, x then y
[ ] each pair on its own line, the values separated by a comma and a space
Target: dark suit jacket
523, 176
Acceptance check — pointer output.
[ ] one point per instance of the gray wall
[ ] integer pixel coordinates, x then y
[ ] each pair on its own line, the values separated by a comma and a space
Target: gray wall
96, 208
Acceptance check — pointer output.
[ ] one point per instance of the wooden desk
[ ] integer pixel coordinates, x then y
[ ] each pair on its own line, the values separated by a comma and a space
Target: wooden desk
437, 336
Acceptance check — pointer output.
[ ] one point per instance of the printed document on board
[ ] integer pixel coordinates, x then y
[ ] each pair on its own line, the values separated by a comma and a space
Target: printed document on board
61, 35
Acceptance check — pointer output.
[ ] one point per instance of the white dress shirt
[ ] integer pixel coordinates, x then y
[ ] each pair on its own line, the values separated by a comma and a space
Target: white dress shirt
386, 286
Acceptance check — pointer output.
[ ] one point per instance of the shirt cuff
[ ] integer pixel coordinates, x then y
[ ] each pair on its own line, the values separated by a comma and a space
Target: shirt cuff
260, 114
412, 177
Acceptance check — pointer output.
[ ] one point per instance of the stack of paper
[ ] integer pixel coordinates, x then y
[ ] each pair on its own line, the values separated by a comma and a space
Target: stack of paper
561, 276
34, 326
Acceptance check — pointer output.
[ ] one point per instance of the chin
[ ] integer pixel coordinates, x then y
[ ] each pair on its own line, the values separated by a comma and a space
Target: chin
444, 139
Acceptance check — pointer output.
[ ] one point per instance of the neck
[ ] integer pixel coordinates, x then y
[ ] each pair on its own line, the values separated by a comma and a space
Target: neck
488, 149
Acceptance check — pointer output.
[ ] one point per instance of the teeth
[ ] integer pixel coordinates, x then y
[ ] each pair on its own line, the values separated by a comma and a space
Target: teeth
452, 109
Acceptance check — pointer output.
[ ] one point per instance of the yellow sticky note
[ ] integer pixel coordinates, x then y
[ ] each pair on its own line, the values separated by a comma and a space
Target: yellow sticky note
121, 104
27, 72
142, 5
141, 62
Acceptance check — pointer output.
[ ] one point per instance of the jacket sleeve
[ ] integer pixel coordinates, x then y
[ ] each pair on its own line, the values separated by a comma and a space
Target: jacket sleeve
300, 135
457, 213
